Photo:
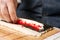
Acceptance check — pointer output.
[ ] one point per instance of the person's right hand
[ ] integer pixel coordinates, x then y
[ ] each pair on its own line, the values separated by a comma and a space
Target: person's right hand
8, 10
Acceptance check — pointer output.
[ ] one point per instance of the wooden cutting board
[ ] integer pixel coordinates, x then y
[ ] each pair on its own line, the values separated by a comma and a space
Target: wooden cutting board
12, 33
7, 33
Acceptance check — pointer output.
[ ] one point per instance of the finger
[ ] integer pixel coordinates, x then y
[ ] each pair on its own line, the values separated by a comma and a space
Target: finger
15, 3
5, 13
0, 15
12, 11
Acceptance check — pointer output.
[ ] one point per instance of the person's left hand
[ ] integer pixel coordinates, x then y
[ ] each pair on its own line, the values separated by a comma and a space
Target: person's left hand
8, 10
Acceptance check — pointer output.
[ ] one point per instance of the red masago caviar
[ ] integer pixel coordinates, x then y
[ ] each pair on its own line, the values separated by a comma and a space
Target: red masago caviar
32, 25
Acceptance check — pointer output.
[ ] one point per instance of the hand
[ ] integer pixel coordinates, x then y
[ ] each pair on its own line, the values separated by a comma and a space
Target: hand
8, 10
